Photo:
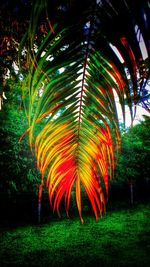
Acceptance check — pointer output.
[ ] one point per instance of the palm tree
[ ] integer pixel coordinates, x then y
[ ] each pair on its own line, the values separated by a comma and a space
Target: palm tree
74, 76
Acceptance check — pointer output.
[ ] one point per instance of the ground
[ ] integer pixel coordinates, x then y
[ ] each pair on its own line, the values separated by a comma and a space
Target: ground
121, 238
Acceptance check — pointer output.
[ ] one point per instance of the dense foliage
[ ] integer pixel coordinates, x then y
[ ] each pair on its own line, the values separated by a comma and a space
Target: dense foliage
136, 152
133, 166
18, 167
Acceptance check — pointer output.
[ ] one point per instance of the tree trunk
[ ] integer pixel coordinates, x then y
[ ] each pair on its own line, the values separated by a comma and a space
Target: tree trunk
39, 202
131, 192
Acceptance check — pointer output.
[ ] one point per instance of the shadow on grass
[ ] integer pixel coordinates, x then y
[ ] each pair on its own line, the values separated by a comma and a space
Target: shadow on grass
120, 238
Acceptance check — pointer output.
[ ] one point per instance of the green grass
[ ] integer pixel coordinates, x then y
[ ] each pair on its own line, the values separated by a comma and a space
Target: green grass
120, 238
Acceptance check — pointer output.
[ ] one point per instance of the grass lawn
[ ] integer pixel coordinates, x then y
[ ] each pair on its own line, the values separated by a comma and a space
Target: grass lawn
120, 238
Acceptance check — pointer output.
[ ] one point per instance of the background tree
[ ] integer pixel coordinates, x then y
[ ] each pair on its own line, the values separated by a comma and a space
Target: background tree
19, 177
132, 172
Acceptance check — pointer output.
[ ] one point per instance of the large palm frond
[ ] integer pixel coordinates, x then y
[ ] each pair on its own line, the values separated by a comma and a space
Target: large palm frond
70, 99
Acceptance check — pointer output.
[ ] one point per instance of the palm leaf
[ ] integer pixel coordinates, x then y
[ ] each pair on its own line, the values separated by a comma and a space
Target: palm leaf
73, 97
